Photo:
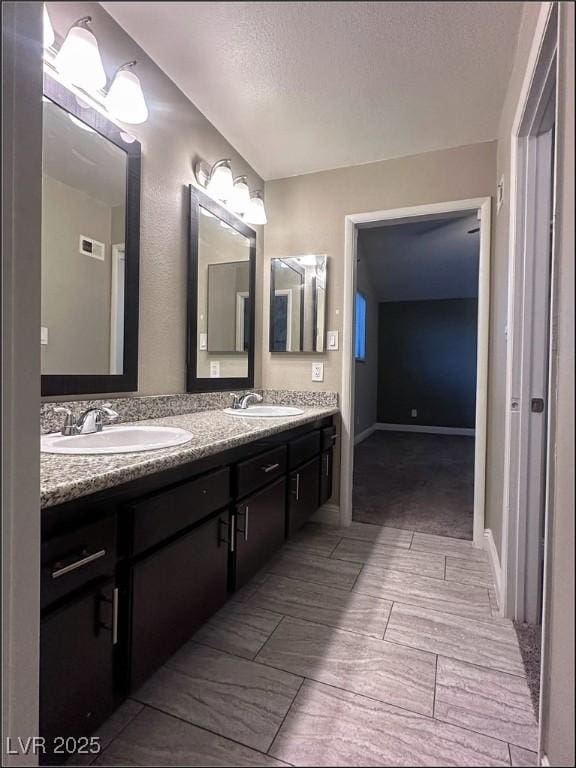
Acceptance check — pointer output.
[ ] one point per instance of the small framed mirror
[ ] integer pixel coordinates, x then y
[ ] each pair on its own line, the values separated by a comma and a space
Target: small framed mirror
298, 304
90, 249
221, 290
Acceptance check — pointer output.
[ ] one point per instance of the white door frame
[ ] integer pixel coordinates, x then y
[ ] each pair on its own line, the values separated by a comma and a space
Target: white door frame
351, 222
288, 293
117, 292
241, 298
524, 343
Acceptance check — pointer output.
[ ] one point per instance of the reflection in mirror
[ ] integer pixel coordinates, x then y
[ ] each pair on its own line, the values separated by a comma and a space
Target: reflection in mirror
298, 304
224, 310
83, 247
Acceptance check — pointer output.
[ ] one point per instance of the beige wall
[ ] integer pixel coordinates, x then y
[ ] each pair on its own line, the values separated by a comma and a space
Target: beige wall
75, 288
174, 136
306, 215
499, 287
558, 680
20, 376
366, 383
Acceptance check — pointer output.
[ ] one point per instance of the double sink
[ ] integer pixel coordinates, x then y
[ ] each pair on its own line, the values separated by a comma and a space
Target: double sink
135, 438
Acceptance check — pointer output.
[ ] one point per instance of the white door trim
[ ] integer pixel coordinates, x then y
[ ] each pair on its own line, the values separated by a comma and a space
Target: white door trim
541, 67
288, 293
117, 289
483, 205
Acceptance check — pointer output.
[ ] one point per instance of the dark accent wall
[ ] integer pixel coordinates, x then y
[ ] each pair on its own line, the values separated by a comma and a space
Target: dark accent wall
427, 361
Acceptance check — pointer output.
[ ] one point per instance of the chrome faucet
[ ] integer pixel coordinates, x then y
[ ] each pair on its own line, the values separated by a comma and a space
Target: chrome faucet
88, 422
240, 402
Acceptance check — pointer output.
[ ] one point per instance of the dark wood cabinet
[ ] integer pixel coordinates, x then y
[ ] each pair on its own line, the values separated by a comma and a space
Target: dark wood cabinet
304, 494
174, 590
260, 530
326, 473
77, 646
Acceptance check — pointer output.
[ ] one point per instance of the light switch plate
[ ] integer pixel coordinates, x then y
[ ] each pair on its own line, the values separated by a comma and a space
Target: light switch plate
203, 343
332, 340
317, 371
414, 413
214, 369
43, 335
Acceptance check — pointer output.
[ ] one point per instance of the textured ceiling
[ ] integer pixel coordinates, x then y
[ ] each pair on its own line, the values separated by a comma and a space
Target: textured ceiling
302, 87
431, 259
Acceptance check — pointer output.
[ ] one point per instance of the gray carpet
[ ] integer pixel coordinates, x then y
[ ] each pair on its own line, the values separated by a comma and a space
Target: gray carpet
530, 640
416, 481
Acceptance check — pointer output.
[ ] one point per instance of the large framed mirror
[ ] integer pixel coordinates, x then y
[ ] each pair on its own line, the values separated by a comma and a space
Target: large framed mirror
90, 249
298, 304
221, 291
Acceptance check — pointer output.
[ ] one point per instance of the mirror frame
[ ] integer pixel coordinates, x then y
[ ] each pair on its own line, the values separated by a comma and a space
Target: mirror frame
127, 381
199, 199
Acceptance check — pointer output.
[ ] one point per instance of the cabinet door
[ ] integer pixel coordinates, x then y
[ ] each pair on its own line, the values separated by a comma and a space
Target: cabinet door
76, 664
260, 530
174, 591
304, 494
326, 465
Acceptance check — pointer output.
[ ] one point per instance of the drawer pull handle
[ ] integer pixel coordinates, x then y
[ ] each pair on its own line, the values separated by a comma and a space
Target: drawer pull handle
78, 564
297, 490
327, 466
270, 467
245, 515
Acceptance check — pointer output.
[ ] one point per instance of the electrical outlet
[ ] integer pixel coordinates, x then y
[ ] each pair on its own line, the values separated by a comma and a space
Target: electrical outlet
203, 341
332, 340
413, 413
214, 369
317, 371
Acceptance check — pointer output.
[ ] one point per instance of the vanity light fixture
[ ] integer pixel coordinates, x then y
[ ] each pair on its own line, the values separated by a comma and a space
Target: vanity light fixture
240, 200
256, 213
221, 182
125, 99
78, 60
48, 29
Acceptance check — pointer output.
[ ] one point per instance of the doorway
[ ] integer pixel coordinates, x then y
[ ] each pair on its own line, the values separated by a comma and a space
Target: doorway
481, 208
416, 323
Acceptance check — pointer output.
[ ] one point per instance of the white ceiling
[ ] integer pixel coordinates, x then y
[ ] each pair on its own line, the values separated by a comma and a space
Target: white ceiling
431, 259
298, 87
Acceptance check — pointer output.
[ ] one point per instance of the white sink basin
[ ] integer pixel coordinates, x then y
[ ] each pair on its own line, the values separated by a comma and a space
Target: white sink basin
259, 411
117, 440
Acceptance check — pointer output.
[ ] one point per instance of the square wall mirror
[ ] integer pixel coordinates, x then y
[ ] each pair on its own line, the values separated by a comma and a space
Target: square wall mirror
221, 289
298, 304
90, 250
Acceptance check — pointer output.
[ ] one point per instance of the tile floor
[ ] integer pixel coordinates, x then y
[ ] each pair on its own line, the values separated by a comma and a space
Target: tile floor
358, 646
416, 481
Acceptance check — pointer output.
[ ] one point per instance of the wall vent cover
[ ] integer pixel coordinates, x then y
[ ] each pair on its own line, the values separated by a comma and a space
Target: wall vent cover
93, 248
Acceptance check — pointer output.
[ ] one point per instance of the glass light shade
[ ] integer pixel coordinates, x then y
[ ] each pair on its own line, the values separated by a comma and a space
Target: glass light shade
48, 29
240, 195
79, 60
125, 99
221, 184
256, 213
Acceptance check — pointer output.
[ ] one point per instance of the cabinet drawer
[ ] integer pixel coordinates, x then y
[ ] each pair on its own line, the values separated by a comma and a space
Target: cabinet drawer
162, 515
328, 437
256, 472
73, 559
303, 448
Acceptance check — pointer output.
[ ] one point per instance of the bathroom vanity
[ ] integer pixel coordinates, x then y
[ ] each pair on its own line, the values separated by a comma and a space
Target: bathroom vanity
129, 572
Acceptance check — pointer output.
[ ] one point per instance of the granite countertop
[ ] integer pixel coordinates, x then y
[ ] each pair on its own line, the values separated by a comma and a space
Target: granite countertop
67, 477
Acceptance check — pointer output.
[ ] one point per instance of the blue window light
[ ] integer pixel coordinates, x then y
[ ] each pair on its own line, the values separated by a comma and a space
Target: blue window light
360, 328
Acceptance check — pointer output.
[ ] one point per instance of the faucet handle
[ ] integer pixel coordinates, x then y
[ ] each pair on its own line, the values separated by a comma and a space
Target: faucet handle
235, 400
69, 426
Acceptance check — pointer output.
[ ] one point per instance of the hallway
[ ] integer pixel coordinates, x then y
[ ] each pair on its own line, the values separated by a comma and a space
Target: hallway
421, 482
360, 646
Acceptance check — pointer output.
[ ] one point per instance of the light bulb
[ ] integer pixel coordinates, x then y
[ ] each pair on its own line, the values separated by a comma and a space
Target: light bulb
48, 30
221, 182
125, 99
79, 59
256, 213
240, 195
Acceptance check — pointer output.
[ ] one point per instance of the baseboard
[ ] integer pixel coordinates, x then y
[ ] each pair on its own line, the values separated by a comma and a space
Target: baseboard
328, 514
424, 429
364, 434
490, 548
